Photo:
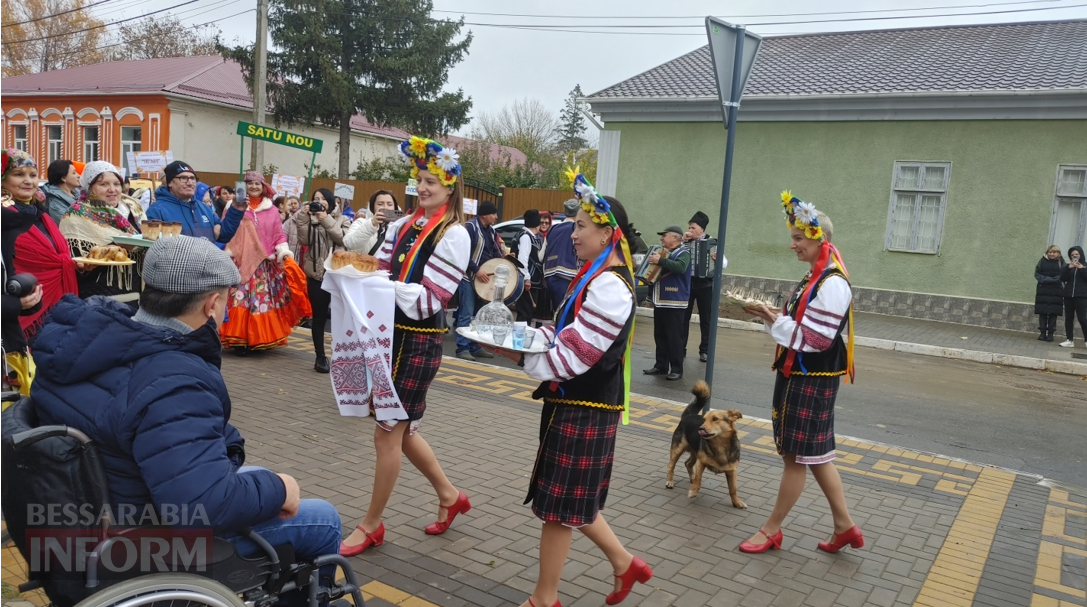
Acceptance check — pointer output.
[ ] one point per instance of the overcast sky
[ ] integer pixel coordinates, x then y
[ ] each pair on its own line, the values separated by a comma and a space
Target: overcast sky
506, 64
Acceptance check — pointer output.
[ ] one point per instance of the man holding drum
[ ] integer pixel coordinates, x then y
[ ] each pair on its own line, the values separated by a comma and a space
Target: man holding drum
486, 245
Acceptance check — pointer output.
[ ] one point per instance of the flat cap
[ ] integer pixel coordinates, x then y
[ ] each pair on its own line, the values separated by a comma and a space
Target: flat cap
184, 264
675, 229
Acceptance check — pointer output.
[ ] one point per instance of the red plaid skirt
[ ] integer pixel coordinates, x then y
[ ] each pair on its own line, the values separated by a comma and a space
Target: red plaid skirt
416, 358
573, 466
804, 414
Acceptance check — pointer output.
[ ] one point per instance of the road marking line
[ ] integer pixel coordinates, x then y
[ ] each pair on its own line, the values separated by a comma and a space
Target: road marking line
967, 543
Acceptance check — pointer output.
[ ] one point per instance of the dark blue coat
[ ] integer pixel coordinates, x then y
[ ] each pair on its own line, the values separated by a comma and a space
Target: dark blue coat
196, 218
155, 402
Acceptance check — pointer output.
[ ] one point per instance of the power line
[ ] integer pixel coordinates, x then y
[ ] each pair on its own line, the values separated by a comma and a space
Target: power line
74, 10
88, 29
658, 17
144, 37
558, 27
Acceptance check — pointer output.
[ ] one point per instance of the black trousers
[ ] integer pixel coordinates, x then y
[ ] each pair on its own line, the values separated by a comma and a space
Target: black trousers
1047, 323
320, 299
526, 306
668, 332
703, 296
1075, 307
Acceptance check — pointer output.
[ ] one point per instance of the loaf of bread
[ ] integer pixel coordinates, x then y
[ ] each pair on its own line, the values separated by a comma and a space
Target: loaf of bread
360, 261
108, 253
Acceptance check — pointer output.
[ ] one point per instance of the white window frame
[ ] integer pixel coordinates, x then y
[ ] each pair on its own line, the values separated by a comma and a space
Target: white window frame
19, 143
50, 142
90, 145
130, 145
915, 220
1059, 196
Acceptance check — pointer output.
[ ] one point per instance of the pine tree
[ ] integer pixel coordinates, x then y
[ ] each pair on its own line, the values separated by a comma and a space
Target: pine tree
571, 131
385, 59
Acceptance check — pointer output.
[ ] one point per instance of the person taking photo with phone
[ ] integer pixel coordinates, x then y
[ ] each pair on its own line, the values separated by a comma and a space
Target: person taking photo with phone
321, 227
367, 234
1074, 276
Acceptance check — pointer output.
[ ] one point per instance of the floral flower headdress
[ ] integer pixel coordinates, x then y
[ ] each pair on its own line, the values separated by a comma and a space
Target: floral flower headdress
15, 159
802, 215
429, 155
591, 202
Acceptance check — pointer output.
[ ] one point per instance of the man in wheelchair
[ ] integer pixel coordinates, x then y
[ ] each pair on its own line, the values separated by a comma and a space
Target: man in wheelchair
147, 390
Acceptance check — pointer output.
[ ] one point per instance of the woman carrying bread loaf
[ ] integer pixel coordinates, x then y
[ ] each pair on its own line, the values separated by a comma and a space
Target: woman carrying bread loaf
426, 254
90, 224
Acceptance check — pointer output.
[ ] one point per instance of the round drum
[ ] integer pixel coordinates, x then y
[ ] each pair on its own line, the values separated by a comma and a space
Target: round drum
514, 286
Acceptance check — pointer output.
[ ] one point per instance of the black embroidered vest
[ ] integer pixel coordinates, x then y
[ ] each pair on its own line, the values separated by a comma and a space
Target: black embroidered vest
833, 361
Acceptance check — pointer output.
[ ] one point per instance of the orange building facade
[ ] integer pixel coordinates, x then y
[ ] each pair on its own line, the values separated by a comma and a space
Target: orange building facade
85, 127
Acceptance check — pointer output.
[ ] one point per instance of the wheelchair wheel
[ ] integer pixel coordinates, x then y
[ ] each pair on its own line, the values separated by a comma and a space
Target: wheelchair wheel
165, 590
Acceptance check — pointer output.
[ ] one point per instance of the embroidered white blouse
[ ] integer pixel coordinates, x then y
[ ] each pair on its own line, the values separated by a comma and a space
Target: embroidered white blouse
441, 275
607, 307
822, 319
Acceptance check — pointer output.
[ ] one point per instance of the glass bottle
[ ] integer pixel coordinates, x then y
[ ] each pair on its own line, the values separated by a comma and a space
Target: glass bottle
494, 320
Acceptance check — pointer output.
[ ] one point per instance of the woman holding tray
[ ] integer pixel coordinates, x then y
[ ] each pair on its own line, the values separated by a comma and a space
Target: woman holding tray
812, 356
426, 254
93, 220
585, 390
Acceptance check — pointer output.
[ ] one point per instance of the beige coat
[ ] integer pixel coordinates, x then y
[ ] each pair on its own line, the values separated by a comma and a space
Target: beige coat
321, 238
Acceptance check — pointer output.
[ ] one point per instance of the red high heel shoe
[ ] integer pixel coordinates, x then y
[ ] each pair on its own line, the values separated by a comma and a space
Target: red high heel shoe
459, 506
638, 571
773, 542
852, 537
376, 538
531, 604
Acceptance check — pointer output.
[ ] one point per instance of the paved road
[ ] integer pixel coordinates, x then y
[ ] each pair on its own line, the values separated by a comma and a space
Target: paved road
1021, 419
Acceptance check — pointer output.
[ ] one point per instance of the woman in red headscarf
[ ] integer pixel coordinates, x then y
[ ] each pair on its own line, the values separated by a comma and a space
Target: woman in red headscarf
814, 334
263, 309
32, 244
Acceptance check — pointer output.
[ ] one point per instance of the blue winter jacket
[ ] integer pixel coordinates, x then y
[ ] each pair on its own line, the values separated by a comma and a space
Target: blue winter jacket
155, 402
196, 218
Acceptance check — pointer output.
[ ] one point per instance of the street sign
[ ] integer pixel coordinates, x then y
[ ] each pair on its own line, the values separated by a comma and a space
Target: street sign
722, 36
267, 133
733, 49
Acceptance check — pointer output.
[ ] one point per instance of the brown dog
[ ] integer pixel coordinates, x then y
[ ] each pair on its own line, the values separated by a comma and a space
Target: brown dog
711, 441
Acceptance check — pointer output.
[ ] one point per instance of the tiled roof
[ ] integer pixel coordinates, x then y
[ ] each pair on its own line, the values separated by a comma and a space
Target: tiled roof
1019, 56
207, 78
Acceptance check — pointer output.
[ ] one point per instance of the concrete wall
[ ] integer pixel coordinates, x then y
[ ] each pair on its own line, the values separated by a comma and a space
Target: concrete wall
999, 207
206, 136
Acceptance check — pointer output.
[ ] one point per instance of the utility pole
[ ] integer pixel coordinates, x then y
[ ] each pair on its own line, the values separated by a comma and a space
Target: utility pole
260, 79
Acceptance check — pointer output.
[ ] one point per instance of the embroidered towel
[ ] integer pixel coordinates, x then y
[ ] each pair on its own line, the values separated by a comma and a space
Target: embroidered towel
362, 339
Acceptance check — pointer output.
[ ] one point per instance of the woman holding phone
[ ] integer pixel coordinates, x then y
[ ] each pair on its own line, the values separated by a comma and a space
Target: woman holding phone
366, 235
320, 226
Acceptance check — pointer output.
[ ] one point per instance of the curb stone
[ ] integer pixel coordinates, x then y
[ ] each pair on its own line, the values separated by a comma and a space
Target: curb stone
995, 358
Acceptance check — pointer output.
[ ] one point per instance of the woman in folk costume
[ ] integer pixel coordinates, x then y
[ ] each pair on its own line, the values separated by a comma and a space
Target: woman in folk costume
32, 244
585, 390
426, 254
262, 309
812, 356
93, 220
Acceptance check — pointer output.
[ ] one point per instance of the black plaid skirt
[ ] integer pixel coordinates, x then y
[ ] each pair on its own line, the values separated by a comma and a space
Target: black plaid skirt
416, 358
804, 414
573, 466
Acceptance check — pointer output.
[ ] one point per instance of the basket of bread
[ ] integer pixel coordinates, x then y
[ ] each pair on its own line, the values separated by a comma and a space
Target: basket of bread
106, 255
352, 263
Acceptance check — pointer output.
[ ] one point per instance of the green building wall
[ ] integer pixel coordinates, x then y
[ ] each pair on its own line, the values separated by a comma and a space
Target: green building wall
999, 204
